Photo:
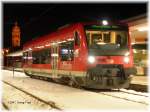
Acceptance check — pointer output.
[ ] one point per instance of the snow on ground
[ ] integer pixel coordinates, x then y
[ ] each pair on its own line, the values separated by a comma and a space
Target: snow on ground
18, 100
70, 98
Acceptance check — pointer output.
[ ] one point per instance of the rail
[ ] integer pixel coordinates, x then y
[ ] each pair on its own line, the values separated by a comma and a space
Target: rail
50, 103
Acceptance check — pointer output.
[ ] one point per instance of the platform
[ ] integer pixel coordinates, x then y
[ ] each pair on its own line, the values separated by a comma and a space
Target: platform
139, 83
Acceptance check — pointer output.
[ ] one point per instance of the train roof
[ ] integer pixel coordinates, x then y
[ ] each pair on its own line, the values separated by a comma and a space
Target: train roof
64, 28
60, 29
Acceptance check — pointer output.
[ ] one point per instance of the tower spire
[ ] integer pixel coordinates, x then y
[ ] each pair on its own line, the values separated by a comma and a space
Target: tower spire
16, 35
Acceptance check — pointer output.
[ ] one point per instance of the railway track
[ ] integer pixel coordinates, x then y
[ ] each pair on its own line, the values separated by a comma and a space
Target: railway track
49, 103
133, 97
119, 94
5, 106
137, 93
122, 94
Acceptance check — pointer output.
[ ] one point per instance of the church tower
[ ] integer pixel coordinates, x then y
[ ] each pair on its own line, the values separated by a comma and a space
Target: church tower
16, 35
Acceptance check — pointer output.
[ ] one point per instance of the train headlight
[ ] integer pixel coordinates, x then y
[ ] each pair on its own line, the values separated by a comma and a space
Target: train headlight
127, 54
105, 22
91, 59
126, 59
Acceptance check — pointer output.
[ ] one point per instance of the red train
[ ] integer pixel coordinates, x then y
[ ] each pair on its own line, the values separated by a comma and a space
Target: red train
94, 55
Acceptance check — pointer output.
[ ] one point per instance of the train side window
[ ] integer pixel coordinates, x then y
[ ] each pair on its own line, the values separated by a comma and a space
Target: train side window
48, 56
77, 39
42, 57
71, 50
66, 51
25, 57
36, 57
45, 56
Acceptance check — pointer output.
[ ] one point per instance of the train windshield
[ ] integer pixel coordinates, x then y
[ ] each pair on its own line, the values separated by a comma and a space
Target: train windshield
107, 37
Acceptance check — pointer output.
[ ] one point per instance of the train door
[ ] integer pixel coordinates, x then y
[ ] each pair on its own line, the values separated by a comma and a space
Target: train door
54, 60
77, 51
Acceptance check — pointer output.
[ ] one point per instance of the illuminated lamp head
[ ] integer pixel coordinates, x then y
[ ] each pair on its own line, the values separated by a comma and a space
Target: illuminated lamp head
105, 22
126, 60
91, 59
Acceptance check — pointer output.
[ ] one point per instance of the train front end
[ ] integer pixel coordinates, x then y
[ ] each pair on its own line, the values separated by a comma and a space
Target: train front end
110, 56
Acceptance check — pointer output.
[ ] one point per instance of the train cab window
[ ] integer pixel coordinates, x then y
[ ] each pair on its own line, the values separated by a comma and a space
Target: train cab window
66, 51
121, 40
88, 38
106, 37
77, 39
96, 38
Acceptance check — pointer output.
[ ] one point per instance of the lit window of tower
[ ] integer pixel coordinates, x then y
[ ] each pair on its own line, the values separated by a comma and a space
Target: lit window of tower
16, 35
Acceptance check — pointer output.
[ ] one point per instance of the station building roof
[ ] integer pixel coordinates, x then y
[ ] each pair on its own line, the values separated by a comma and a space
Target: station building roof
138, 27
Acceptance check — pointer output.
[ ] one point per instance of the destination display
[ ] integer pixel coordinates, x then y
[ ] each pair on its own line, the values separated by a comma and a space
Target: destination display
106, 27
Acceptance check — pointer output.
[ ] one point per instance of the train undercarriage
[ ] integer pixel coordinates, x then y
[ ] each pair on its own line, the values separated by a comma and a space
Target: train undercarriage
100, 77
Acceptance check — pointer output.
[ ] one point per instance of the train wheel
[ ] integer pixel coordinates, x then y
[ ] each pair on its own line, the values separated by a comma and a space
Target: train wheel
118, 89
56, 80
31, 76
73, 83
49, 79
64, 80
27, 74
45, 78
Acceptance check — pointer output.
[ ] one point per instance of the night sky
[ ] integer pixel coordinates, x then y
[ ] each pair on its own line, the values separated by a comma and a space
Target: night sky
40, 19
